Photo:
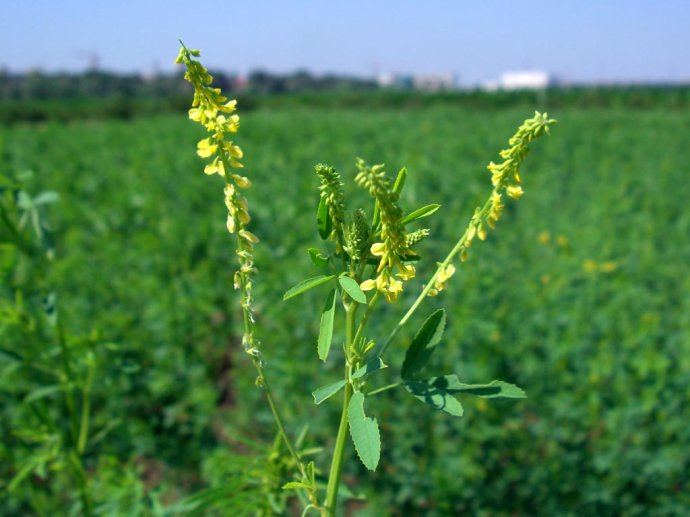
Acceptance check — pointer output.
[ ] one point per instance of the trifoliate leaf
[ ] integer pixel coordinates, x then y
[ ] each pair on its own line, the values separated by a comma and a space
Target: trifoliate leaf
364, 432
326, 326
305, 285
424, 343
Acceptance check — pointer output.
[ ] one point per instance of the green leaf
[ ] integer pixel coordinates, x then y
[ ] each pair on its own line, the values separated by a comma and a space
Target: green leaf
400, 181
424, 343
326, 326
436, 397
425, 211
318, 258
494, 389
351, 287
325, 392
372, 366
364, 432
295, 485
45, 391
305, 285
46, 197
323, 219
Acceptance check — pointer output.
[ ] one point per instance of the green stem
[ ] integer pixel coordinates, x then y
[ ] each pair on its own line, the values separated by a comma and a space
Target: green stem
249, 336
365, 318
339, 449
86, 409
382, 389
338, 454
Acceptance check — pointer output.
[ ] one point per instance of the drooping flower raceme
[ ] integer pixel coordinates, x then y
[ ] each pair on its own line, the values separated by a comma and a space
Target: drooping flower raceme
216, 113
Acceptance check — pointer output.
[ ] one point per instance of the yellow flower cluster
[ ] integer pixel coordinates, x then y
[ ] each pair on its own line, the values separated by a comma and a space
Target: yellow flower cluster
394, 247
505, 178
215, 112
442, 277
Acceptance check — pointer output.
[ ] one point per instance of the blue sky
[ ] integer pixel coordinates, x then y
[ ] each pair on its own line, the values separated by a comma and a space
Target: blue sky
602, 40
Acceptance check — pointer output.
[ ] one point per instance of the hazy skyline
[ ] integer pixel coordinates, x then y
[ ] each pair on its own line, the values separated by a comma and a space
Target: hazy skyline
610, 41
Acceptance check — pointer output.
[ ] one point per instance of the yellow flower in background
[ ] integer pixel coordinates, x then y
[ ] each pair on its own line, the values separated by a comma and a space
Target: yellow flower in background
544, 238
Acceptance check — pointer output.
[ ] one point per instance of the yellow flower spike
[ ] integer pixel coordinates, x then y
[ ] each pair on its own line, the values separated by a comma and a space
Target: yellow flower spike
514, 191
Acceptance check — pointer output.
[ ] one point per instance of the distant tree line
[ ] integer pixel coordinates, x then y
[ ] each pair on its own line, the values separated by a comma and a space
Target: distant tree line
97, 84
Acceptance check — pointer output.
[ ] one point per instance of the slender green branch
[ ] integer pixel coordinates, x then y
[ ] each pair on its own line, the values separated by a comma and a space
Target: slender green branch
338, 455
365, 318
384, 388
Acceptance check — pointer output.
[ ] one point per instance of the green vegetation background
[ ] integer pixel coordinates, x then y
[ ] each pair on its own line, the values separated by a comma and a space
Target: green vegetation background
581, 297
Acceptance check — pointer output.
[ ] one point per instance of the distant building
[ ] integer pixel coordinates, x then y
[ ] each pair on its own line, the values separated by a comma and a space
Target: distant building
398, 81
525, 80
434, 82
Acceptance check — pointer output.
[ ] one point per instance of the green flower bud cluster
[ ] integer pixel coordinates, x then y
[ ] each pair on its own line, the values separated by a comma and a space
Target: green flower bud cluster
416, 237
358, 237
332, 190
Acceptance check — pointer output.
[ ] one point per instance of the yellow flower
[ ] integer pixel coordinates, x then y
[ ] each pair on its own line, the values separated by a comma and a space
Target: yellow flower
368, 285
608, 266
241, 181
249, 236
230, 224
406, 272
205, 148
514, 191
589, 266
444, 274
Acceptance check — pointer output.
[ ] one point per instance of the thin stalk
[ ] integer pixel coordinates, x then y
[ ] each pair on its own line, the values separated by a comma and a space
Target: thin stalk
341, 439
365, 318
246, 318
382, 389
425, 291
338, 455
86, 410
248, 332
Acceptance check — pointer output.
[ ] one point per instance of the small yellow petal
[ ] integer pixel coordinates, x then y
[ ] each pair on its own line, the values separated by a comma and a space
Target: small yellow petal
368, 285
242, 181
230, 224
377, 249
249, 236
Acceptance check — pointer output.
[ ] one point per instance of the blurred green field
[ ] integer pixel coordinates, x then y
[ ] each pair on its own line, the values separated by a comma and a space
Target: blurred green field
581, 297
